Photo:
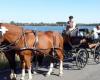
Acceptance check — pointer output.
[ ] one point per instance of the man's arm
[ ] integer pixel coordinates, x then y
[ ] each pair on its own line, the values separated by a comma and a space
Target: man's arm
98, 31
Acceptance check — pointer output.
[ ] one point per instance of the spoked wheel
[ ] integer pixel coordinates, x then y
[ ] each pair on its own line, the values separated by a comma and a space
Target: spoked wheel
97, 54
81, 58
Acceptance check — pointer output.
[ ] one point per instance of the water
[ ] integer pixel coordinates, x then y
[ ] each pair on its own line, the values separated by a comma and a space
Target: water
45, 28
52, 28
88, 27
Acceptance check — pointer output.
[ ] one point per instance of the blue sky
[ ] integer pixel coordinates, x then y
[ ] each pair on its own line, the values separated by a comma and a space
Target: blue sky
84, 11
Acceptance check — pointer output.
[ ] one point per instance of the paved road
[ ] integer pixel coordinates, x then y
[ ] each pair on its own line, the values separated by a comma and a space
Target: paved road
90, 72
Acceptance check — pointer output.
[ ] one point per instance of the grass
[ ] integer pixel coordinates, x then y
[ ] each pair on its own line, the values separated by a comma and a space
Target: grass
4, 62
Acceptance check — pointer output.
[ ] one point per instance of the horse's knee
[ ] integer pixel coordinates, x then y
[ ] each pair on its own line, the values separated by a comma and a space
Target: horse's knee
28, 63
60, 55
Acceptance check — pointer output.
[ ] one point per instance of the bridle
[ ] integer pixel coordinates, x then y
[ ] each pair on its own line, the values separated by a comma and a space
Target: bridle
10, 46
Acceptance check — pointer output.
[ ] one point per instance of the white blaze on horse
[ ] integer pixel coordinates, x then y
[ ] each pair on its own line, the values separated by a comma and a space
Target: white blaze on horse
23, 42
3, 30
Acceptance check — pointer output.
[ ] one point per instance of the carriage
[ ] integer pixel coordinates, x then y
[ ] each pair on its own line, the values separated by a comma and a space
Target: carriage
92, 45
78, 46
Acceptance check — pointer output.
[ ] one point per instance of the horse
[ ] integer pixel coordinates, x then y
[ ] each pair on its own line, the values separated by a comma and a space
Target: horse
53, 46
26, 44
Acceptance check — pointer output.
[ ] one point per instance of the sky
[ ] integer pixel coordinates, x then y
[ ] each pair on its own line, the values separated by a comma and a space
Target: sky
50, 11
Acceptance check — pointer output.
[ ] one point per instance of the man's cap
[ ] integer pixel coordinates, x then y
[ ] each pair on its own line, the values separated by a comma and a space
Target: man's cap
70, 17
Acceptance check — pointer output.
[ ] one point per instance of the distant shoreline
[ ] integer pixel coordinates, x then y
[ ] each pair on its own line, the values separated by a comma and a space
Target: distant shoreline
52, 24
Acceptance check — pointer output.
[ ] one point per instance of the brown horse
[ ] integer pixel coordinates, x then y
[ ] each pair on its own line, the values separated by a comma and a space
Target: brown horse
48, 43
26, 44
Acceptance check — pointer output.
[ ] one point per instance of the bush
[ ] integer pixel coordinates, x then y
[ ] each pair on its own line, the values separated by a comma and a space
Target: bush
3, 61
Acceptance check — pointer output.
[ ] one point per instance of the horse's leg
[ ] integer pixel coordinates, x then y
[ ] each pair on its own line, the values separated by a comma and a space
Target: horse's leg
23, 71
11, 59
51, 66
60, 56
35, 65
40, 60
28, 59
50, 69
22, 66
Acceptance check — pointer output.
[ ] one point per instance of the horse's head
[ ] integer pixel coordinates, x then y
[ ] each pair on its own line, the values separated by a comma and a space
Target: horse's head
9, 32
3, 31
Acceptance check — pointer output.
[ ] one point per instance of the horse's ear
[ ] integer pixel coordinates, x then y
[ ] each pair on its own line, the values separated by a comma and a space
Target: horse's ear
0, 24
0, 34
0, 31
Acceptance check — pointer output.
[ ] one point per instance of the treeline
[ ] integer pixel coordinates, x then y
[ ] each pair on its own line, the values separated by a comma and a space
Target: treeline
92, 24
39, 24
34, 24
51, 24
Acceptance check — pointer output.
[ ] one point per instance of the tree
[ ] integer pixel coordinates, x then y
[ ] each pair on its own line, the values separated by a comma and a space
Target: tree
12, 22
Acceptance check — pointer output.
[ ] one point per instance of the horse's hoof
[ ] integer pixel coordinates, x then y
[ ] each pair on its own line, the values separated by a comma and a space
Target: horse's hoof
13, 76
47, 75
29, 79
60, 75
13, 79
34, 72
22, 78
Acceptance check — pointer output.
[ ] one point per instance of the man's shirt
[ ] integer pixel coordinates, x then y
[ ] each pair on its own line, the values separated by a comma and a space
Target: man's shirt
96, 32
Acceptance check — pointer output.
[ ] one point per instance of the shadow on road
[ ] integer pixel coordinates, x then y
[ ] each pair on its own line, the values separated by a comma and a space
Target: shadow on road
4, 76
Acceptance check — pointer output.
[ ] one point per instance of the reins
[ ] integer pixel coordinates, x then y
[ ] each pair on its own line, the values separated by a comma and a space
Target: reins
4, 47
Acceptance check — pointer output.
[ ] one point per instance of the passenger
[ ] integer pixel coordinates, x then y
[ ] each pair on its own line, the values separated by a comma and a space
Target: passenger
96, 32
70, 25
95, 36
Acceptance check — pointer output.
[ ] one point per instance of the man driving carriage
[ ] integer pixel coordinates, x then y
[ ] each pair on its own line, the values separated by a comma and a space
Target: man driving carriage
70, 27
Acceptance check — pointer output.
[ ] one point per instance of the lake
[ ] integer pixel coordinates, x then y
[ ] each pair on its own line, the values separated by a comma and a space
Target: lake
52, 28
45, 28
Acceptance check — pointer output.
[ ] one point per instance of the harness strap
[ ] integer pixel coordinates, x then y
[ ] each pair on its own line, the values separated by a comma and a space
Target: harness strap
25, 41
36, 39
54, 40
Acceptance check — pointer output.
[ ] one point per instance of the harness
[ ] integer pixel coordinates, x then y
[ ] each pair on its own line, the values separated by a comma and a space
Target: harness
36, 39
11, 46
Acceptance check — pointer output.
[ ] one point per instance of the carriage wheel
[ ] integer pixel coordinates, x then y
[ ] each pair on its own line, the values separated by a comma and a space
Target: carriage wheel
97, 54
81, 58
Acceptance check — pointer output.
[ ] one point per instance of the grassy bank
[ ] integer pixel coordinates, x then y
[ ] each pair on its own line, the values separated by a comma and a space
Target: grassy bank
4, 62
